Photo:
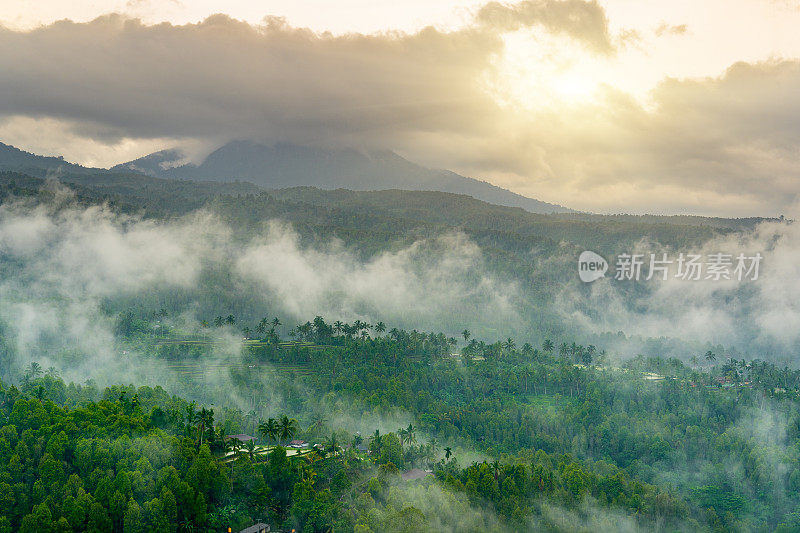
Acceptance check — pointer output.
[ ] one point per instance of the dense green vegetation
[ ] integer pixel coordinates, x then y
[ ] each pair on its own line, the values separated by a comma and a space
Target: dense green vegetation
550, 437
547, 432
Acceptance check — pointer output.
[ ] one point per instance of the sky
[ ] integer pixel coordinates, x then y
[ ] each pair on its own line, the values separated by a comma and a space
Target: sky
638, 106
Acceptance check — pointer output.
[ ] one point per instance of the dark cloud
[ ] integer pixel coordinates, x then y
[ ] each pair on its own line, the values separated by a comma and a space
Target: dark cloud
724, 145
226, 78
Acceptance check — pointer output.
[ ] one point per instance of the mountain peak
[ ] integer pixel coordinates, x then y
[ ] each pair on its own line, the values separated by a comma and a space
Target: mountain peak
283, 165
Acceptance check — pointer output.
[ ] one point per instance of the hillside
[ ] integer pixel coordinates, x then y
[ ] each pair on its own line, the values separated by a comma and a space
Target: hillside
287, 165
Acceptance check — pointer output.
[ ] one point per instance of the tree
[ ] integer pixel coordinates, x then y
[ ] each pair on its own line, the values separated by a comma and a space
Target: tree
375, 442
410, 434
466, 334
710, 357
380, 327
204, 420
402, 434
251, 448
332, 443
391, 450
33, 371
447, 452
547, 346
288, 427
269, 429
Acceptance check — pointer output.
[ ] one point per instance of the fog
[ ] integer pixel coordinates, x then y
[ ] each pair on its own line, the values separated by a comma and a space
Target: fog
758, 318
68, 272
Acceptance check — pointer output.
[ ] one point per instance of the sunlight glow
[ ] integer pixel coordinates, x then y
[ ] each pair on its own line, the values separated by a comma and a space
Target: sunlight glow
542, 72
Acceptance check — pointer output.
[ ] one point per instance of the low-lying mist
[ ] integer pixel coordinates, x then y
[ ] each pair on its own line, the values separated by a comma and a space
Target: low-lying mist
757, 318
68, 272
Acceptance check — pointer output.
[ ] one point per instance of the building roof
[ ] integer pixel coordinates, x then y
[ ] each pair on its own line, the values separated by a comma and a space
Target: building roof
259, 527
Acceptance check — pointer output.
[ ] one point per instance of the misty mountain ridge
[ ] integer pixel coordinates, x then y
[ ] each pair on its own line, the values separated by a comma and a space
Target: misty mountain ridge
285, 165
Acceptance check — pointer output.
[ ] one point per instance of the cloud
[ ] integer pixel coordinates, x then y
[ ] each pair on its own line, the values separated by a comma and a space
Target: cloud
226, 78
720, 146
758, 318
436, 96
427, 280
584, 21
671, 29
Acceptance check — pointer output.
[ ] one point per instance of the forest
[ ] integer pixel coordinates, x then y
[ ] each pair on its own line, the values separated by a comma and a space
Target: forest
183, 356
507, 438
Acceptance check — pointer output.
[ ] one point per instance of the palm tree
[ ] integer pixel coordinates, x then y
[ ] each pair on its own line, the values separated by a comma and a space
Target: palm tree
269, 429
53, 372
288, 427
403, 434
204, 419
495, 468
509, 344
338, 326
466, 334
230, 319
710, 357
447, 452
410, 438
251, 448
262, 326
547, 346
33, 371
317, 423
563, 349
219, 321
236, 445
380, 327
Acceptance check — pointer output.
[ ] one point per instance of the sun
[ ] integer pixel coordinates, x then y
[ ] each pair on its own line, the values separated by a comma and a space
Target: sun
573, 85
542, 72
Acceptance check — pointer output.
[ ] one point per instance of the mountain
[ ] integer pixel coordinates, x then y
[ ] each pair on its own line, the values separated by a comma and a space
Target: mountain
16, 160
287, 165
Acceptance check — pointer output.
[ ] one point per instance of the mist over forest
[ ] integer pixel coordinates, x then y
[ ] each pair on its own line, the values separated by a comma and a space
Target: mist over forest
399, 267
398, 332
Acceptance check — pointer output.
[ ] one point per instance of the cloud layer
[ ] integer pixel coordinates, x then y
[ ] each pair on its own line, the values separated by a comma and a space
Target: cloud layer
720, 145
